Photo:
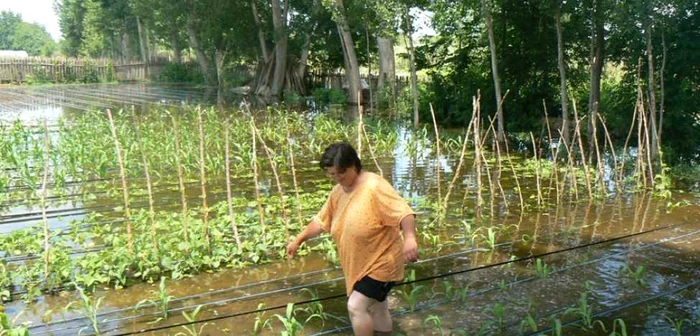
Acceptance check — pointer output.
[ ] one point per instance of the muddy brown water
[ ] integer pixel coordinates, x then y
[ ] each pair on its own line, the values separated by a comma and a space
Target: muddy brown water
586, 246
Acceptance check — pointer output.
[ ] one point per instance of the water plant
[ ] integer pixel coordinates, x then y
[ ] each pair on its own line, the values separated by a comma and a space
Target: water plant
638, 274
585, 313
161, 300
10, 328
528, 324
261, 322
436, 321
88, 307
292, 326
542, 269
191, 328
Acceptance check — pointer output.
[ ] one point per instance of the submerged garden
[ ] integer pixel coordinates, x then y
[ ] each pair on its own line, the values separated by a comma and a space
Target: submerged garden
548, 147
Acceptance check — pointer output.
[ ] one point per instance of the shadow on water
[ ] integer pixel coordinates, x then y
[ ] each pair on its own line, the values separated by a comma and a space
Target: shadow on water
634, 256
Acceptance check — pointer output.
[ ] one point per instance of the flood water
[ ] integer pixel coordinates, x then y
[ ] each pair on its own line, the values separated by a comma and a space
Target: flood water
636, 256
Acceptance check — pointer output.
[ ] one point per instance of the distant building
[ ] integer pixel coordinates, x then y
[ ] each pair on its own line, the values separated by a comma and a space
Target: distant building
13, 54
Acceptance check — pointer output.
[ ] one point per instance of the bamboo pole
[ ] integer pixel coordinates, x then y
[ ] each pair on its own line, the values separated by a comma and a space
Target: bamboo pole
537, 171
497, 175
290, 147
600, 163
437, 163
517, 180
477, 157
261, 211
456, 175
371, 151
149, 188
612, 149
360, 126
181, 180
203, 179
583, 154
44, 192
125, 190
554, 153
570, 167
229, 197
283, 207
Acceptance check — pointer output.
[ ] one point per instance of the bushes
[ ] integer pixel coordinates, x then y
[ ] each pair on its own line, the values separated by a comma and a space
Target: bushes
329, 96
180, 73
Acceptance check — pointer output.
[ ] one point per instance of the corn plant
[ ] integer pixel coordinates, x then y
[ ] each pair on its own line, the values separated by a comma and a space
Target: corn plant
9, 328
261, 322
528, 324
496, 314
623, 328
191, 328
677, 324
585, 312
292, 326
436, 321
542, 269
87, 307
162, 300
638, 274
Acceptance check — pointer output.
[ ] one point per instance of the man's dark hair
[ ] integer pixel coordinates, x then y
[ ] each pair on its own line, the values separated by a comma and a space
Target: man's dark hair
341, 155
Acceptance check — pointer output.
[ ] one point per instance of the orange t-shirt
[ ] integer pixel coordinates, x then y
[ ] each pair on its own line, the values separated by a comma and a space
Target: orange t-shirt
365, 225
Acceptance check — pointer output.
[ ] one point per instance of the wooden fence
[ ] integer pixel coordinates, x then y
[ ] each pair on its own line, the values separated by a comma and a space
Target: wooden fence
337, 80
60, 70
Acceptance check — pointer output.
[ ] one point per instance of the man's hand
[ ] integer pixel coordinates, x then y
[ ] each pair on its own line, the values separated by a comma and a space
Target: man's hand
292, 249
410, 249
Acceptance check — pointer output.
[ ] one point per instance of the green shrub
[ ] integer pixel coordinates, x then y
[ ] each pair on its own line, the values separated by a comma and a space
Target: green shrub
39, 76
180, 73
329, 96
90, 74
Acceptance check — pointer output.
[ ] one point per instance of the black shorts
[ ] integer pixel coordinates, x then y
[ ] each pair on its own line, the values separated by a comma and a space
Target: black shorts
374, 289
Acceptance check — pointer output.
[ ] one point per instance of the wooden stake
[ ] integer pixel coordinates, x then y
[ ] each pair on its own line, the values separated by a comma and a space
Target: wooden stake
437, 163
290, 147
229, 197
283, 207
149, 188
181, 180
203, 179
256, 178
125, 190
44, 192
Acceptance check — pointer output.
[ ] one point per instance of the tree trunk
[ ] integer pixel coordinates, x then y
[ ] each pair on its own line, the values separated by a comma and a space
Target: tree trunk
219, 60
201, 57
304, 57
387, 64
654, 150
261, 33
597, 53
279, 23
662, 98
562, 77
412, 61
126, 48
352, 69
177, 53
143, 43
494, 69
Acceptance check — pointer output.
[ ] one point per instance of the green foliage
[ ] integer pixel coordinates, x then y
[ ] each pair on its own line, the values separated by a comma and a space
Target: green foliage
90, 73
191, 329
181, 73
16, 34
329, 96
88, 307
8, 327
39, 76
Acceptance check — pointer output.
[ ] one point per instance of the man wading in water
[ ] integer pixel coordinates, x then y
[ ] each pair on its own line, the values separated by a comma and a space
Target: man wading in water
365, 216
